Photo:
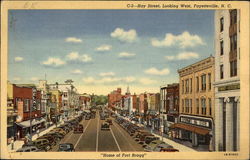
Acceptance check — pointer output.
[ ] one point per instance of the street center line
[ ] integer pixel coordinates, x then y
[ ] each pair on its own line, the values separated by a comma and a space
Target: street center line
97, 135
115, 140
124, 136
82, 134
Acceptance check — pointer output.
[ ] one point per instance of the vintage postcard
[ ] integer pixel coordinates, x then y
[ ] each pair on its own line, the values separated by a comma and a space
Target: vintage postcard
124, 80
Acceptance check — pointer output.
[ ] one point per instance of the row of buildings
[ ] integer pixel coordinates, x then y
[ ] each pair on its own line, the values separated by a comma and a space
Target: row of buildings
32, 108
204, 106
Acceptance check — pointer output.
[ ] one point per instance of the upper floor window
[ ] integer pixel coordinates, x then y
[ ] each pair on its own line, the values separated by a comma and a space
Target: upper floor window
233, 17
187, 86
26, 105
197, 84
233, 68
210, 106
191, 85
197, 106
182, 86
209, 81
203, 82
221, 71
233, 42
221, 47
221, 24
203, 106
65, 94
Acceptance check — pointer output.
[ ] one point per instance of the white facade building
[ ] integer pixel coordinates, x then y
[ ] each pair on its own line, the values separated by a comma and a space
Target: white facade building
227, 80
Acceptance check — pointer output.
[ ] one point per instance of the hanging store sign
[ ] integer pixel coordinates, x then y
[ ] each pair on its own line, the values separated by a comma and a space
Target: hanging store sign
196, 121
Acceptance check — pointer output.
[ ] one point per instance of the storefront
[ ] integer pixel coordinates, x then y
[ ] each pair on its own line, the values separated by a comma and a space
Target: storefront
23, 128
197, 130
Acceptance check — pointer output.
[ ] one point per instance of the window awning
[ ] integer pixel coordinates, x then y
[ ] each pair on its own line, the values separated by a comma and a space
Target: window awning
194, 129
26, 124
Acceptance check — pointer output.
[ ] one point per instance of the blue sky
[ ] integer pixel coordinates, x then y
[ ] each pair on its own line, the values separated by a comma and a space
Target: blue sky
101, 50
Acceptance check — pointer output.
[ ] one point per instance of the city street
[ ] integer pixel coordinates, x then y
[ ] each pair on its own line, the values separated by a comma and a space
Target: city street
96, 140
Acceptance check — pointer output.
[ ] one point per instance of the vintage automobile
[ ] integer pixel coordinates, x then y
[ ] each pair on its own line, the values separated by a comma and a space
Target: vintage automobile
105, 126
109, 121
66, 147
78, 128
29, 149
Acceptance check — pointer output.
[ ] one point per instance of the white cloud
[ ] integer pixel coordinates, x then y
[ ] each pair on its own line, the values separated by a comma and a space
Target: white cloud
86, 58
16, 78
34, 79
89, 80
76, 71
73, 40
73, 56
155, 71
182, 40
169, 58
107, 74
104, 47
109, 80
124, 36
187, 55
146, 81
183, 56
54, 62
129, 79
126, 55
18, 59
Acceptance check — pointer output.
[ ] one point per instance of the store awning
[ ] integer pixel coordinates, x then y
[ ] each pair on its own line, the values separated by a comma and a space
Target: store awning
194, 129
26, 124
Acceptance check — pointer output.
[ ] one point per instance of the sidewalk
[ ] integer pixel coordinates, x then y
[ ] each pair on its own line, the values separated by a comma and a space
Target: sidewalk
18, 144
187, 146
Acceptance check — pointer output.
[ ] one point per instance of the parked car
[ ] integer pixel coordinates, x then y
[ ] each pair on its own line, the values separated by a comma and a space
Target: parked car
87, 117
50, 138
105, 126
102, 117
29, 149
149, 139
109, 121
66, 147
78, 128
59, 130
169, 150
58, 136
161, 146
43, 144
151, 146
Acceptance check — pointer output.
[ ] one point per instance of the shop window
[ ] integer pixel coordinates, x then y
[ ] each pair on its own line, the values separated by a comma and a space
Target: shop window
203, 82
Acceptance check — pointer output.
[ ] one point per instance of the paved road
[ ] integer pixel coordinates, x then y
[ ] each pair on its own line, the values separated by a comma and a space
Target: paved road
96, 140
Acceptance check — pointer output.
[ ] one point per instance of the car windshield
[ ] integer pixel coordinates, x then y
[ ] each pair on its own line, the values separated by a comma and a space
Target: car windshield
64, 147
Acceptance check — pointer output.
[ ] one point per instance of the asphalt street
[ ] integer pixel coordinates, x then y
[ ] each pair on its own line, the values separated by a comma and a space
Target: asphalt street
93, 139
